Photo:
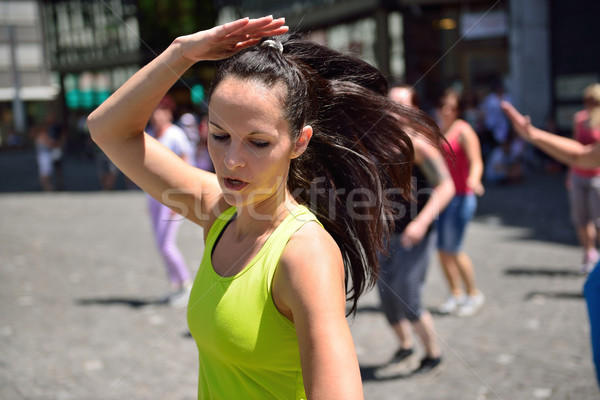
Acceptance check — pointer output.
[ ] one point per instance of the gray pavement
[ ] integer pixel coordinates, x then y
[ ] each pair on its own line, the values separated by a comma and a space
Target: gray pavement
79, 318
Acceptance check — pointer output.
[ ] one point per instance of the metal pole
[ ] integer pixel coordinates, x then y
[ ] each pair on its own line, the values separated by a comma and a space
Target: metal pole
382, 45
18, 106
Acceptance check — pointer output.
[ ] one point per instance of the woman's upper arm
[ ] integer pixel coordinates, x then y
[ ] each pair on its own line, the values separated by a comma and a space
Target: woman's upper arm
162, 174
310, 286
471, 144
431, 162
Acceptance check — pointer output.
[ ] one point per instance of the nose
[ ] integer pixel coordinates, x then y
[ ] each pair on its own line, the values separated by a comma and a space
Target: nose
234, 157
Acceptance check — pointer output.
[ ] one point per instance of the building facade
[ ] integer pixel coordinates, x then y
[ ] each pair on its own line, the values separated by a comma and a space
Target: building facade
92, 46
26, 83
541, 51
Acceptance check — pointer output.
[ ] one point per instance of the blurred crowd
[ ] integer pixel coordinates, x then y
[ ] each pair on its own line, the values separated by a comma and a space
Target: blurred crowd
53, 140
507, 158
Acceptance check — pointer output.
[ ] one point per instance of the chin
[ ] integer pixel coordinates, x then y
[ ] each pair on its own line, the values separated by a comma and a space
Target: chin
233, 199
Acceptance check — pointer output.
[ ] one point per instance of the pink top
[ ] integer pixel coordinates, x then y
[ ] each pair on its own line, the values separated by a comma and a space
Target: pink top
584, 134
456, 158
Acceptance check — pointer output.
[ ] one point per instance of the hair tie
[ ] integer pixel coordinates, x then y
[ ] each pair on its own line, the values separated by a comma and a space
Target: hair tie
274, 44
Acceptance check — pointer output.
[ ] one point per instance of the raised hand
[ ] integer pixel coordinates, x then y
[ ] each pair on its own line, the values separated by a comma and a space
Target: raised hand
225, 40
521, 123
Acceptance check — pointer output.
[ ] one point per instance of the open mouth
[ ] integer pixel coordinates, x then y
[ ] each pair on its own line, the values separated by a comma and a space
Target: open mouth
234, 184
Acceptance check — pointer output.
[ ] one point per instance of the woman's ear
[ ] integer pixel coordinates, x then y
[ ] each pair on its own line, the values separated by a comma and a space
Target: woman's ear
302, 141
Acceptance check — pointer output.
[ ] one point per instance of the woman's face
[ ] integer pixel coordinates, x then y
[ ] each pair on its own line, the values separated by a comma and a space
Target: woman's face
249, 140
449, 108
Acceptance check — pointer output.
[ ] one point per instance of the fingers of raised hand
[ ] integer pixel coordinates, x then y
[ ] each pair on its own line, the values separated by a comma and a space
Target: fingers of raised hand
510, 111
252, 28
273, 32
263, 25
232, 26
246, 43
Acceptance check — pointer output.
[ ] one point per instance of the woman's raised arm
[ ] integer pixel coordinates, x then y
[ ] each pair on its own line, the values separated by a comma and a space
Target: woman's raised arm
563, 149
117, 126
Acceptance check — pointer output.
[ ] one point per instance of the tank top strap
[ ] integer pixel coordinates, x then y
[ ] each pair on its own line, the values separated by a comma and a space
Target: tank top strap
217, 227
274, 246
270, 253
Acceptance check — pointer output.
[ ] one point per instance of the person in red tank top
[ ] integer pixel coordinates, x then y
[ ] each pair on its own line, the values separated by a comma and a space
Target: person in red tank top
584, 183
463, 157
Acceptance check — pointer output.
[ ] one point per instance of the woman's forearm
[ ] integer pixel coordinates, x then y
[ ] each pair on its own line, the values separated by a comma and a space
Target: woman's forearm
440, 197
565, 150
561, 148
127, 111
476, 170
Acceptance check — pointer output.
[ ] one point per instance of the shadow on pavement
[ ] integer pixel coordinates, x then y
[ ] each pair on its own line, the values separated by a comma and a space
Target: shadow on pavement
368, 309
555, 295
367, 373
377, 309
542, 271
111, 301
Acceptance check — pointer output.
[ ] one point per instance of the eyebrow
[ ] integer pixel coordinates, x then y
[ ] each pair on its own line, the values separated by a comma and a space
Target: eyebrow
225, 130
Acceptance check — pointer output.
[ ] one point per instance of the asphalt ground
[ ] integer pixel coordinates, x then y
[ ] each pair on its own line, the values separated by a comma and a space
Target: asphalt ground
80, 280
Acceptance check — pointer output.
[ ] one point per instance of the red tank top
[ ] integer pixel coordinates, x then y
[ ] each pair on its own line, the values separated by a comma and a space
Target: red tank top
584, 134
456, 158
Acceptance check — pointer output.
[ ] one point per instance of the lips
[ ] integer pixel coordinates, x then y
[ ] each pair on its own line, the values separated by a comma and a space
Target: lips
234, 184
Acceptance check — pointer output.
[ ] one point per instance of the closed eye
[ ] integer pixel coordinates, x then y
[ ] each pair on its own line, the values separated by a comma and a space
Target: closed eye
219, 137
260, 144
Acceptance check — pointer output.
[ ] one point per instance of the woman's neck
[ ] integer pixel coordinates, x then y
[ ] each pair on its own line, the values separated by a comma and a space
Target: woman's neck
446, 125
259, 218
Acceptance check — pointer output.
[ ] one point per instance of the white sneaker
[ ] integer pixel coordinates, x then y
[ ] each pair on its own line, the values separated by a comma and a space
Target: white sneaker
471, 306
451, 304
589, 261
179, 299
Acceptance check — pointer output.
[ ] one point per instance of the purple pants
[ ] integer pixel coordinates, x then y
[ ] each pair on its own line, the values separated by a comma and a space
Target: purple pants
165, 226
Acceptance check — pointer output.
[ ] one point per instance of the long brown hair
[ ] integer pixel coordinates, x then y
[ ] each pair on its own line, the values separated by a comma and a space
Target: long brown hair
359, 150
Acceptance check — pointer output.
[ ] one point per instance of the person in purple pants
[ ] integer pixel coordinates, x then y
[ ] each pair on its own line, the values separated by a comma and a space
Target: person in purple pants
165, 222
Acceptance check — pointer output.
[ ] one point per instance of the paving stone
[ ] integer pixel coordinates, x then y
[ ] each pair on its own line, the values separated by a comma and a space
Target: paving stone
80, 279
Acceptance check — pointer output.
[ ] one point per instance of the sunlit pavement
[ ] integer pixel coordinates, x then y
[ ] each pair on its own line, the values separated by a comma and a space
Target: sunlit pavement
79, 318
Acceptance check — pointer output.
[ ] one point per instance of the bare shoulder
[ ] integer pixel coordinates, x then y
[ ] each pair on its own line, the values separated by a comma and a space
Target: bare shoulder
310, 245
310, 275
466, 133
465, 127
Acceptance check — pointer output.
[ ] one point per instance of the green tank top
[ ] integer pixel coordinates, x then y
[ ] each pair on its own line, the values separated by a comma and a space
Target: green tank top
247, 348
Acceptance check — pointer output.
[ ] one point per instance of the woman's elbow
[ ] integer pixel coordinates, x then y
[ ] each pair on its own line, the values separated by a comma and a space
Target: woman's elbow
93, 125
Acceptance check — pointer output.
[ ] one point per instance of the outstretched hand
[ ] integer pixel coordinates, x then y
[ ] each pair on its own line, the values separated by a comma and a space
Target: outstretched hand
225, 40
521, 123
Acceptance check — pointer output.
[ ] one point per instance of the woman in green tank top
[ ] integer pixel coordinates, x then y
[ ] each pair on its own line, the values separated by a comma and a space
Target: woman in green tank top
305, 144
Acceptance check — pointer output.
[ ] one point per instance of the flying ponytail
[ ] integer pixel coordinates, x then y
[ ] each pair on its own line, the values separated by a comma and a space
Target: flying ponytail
360, 153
